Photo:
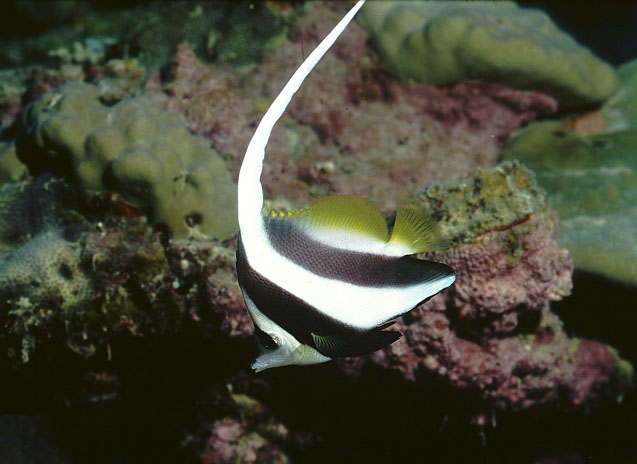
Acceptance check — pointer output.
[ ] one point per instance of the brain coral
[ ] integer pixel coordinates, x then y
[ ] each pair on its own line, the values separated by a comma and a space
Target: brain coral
446, 42
136, 149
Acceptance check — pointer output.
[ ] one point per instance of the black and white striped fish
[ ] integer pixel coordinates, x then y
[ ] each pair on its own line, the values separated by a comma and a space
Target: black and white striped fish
327, 281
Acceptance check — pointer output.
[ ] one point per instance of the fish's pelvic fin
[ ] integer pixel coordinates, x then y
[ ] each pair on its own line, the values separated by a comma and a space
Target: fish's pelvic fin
415, 231
330, 345
347, 214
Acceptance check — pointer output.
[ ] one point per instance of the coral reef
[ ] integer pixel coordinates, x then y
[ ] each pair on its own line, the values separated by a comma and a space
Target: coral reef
135, 341
587, 165
133, 148
11, 89
29, 208
492, 335
247, 433
63, 277
105, 284
237, 32
41, 280
11, 168
254, 29
349, 123
443, 43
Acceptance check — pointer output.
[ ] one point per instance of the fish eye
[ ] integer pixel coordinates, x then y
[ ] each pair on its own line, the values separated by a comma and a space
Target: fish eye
276, 339
269, 341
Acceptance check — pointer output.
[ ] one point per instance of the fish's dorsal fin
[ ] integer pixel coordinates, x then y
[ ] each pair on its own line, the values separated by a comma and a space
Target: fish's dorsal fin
415, 231
250, 191
345, 214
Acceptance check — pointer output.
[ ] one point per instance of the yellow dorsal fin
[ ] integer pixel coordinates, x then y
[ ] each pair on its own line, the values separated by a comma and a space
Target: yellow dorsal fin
415, 230
344, 213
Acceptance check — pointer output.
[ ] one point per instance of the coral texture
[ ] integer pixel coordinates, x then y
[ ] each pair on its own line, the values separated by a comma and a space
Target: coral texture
443, 43
99, 281
351, 128
232, 441
133, 148
492, 334
587, 165
11, 168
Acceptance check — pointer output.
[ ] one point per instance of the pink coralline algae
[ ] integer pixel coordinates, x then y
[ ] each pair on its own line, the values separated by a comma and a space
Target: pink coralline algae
351, 128
495, 287
230, 441
237, 428
493, 334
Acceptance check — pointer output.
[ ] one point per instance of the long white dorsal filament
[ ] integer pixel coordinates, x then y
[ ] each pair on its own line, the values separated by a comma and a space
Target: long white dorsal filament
250, 195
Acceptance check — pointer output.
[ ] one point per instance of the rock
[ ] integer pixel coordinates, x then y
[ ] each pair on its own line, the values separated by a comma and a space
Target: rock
133, 148
349, 123
447, 42
492, 336
589, 169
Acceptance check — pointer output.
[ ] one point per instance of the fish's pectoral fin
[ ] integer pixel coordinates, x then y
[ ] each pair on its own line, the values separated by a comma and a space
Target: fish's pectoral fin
338, 346
415, 231
349, 214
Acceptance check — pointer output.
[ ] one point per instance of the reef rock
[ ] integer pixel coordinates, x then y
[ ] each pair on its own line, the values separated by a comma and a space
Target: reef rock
351, 128
447, 42
133, 148
492, 335
11, 168
587, 165
70, 287
247, 432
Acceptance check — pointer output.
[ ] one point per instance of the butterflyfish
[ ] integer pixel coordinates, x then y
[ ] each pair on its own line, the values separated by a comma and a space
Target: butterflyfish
327, 281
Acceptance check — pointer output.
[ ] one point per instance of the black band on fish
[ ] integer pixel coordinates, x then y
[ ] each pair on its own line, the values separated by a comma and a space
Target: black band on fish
284, 308
364, 269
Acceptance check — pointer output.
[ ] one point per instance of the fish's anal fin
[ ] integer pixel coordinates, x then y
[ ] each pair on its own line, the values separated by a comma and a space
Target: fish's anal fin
336, 346
415, 231
348, 214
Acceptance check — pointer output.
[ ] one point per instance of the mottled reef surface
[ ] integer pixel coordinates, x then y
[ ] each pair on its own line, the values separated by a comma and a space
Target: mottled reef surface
122, 327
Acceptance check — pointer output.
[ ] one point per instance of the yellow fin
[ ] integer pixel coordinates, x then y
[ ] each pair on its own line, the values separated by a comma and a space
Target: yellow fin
347, 214
415, 230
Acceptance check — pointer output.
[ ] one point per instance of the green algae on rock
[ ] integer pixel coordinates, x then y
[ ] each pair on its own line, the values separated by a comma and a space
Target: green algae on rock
246, 431
588, 167
238, 32
624, 103
136, 149
504, 247
492, 337
28, 209
498, 198
76, 288
11, 168
499, 42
